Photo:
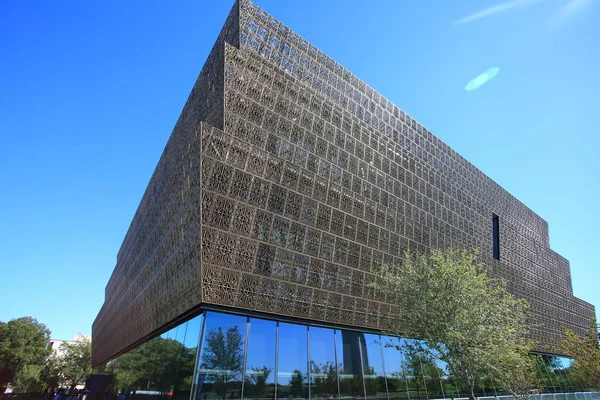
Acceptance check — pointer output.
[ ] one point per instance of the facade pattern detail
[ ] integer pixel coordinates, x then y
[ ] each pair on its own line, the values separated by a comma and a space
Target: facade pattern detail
288, 182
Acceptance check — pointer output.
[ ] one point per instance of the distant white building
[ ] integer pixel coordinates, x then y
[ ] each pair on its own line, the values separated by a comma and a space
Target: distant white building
55, 343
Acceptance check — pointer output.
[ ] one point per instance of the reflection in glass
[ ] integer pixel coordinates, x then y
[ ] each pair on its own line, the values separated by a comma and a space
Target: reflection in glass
348, 349
448, 388
373, 372
163, 367
414, 360
546, 374
323, 368
259, 381
395, 372
555, 371
430, 370
253, 359
292, 375
563, 366
221, 357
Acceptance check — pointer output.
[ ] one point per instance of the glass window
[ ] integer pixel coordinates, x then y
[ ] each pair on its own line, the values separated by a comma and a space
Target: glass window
292, 374
192, 335
414, 360
323, 368
395, 371
161, 368
186, 346
556, 372
259, 381
496, 236
431, 370
372, 362
222, 357
348, 348
563, 366
426, 375
161, 352
546, 374
448, 387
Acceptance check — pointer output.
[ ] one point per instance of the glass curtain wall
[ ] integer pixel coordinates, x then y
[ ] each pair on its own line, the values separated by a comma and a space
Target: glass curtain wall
163, 367
556, 375
349, 345
373, 369
259, 381
251, 358
221, 362
292, 361
323, 365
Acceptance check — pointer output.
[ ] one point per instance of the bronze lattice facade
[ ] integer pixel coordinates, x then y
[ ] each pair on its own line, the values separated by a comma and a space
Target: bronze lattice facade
287, 182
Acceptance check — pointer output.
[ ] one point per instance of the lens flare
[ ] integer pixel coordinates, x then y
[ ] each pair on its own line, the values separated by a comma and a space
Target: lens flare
482, 78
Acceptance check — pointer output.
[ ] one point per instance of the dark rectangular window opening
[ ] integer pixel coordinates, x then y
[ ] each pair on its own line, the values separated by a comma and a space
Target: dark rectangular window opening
496, 236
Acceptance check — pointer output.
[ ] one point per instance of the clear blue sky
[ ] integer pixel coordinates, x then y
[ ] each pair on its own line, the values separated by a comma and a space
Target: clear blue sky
89, 93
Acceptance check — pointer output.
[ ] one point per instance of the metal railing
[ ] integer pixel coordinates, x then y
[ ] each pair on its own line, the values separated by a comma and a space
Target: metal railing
546, 396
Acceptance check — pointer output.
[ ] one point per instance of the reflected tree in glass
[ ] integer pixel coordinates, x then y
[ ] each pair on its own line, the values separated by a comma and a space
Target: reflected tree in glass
373, 372
220, 368
259, 381
323, 369
414, 372
449, 388
413, 369
165, 359
348, 345
297, 385
256, 383
395, 370
224, 355
560, 374
425, 367
163, 365
563, 367
433, 369
323, 380
292, 374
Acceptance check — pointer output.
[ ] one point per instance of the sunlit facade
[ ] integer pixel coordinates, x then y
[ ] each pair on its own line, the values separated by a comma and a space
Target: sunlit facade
285, 186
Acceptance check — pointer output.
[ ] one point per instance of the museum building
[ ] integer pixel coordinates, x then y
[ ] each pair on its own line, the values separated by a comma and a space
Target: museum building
248, 270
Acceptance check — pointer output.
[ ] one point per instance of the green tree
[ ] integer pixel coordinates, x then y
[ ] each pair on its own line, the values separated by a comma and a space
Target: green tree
465, 317
24, 344
256, 381
586, 352
323, 379
371, 381
76, 362
223, 354
128, 371
28, 379
518, 371
164, 365
297, 384
422, 368
50, 372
